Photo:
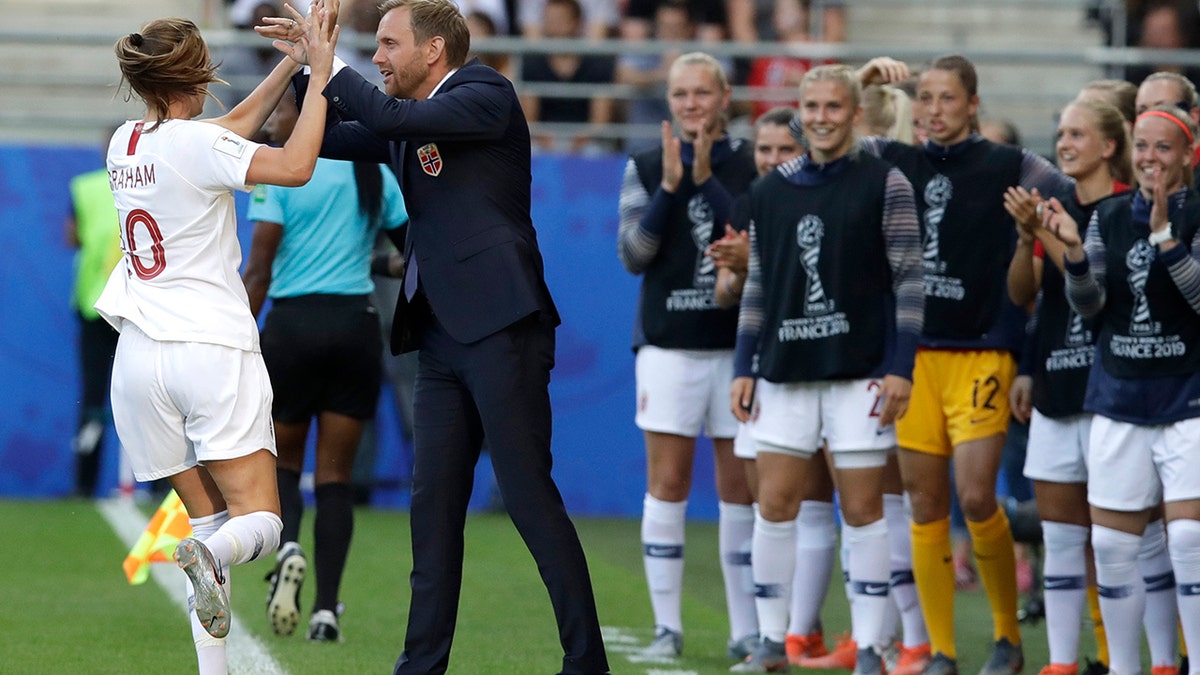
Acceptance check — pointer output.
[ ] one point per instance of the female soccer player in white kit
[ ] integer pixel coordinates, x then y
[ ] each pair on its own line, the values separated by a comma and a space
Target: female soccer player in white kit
190, 394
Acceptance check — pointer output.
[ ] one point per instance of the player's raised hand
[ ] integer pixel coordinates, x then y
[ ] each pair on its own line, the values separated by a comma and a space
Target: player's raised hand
287, 32
319, 42
671, 159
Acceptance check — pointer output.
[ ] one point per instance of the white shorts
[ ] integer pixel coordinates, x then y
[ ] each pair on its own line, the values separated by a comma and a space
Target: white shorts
744, 446
1057, 449
681, 391
179, 404
800, 416
1133, 467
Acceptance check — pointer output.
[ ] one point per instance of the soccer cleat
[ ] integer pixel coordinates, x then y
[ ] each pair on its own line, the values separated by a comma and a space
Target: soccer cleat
941, 664
739, 649
1164, 670
1091, 667
868, 662
666, 643
1006, 659
1060, 669
912, 660
283, 599
843, 656
209, 600
801, 646
769, 657
323, 627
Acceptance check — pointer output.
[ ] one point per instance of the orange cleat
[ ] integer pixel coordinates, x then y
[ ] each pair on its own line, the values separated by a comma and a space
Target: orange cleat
844, 656
912, 660
800, 646
1060, 669
1164, 670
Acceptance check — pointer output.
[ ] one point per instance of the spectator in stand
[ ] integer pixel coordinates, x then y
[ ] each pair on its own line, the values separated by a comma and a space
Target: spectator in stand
1164, 24
480, 25
789, 22
244, 67
361, 20
496, 10
600, 18
648, 72
564, 20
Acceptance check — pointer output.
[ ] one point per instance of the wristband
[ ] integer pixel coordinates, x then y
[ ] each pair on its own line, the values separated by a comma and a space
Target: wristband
1162, 237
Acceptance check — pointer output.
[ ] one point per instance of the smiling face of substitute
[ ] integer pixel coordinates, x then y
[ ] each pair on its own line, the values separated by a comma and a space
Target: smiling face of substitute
697, 98
946, 107
400, 60
1161, 153
1081, 147
774, 145
828, 113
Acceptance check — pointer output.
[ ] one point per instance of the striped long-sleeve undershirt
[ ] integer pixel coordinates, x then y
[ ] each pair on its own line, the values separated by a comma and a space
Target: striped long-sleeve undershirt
643, 217
902, 243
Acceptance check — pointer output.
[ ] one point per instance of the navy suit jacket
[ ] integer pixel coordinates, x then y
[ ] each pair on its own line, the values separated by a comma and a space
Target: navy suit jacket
462, 158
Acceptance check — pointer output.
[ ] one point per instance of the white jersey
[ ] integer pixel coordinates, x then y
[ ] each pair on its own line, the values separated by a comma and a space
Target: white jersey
178, 279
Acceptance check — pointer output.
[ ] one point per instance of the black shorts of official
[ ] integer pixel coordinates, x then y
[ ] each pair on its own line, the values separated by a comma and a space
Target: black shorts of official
324, 353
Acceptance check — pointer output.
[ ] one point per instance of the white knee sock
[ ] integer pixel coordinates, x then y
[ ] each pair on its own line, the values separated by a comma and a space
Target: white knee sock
735, 527
245, 538
773, 558
1122, 596
1183, 538
662, 554
1065, 583
210, 651
816, 539
870, 577
904, 588
1162, 613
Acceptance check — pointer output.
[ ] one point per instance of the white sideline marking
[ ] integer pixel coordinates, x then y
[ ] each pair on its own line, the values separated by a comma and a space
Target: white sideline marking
245, 652
622, 641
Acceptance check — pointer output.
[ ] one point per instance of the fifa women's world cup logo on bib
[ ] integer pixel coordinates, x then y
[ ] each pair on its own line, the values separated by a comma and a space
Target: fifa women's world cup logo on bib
1138, 261
700, 215
1077, 333
937, 195
809, 232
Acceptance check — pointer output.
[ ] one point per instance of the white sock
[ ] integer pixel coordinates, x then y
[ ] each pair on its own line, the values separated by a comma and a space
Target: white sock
245, 538
1065, 584
1162, 612
870, 577
662, 555
904, 588
773, 557
735, 527
1122, 596
816, 538
210, 651
1183, 538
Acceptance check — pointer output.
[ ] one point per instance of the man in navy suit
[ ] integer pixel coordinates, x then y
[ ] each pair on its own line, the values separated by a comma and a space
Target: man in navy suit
475, 303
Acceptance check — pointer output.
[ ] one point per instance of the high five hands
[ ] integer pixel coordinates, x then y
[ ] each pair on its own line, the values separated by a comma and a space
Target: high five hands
293, 34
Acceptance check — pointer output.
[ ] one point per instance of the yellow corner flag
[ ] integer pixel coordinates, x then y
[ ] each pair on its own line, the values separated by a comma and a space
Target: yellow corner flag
157, 543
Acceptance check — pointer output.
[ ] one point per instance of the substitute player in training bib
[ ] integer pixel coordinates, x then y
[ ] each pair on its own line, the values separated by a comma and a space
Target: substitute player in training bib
834, 267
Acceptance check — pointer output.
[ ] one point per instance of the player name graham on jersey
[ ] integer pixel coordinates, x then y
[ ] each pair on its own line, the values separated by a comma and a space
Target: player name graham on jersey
691, 300
813, 328
131, 177
1157, 347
